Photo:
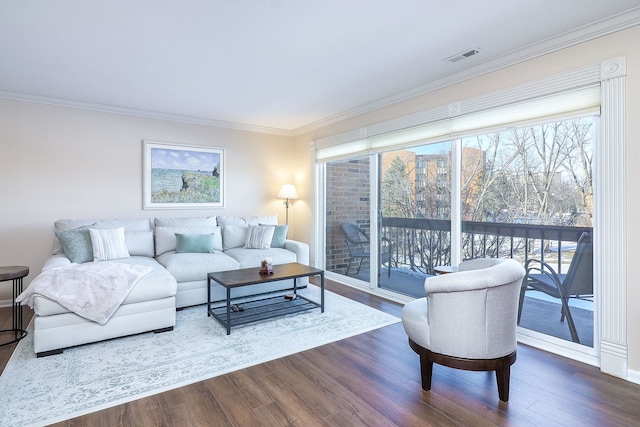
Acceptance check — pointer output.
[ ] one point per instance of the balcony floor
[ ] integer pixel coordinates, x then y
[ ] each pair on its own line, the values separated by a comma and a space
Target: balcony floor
540, 313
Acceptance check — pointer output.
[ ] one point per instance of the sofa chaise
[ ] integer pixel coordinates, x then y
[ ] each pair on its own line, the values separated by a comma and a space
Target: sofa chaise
180, 251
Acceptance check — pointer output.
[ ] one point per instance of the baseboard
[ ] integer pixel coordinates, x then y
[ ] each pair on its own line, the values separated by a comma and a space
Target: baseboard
633, 376
6, 303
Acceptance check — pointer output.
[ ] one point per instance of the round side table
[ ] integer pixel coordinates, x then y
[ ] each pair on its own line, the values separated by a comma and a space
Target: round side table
15, 273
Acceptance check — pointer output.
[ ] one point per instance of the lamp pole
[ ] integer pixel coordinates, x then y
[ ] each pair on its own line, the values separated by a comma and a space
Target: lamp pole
286, 204
288, 192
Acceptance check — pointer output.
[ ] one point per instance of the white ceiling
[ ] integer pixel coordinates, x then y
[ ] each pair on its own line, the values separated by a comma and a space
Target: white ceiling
287, 65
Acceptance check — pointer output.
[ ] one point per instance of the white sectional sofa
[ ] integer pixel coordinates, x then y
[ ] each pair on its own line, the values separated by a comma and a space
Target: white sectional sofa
173, 247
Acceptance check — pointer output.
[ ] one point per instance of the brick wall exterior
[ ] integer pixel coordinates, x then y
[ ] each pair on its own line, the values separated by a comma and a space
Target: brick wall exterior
348, 200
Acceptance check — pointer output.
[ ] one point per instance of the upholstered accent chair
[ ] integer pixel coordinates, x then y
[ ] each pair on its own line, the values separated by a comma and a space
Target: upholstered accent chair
468, 320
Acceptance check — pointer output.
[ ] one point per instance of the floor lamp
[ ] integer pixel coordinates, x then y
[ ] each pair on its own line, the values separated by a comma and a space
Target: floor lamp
288, 192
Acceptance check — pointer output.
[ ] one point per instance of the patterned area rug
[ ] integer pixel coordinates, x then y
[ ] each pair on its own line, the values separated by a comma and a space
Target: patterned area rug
97, 376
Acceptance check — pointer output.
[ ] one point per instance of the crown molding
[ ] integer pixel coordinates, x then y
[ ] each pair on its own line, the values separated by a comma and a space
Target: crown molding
143, 113
589, 32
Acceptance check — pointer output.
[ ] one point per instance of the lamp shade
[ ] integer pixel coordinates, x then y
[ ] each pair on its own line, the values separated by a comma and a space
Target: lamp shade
288, 191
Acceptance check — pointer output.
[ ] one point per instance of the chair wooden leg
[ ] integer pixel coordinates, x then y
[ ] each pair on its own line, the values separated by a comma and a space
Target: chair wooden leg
426, 371
502, 376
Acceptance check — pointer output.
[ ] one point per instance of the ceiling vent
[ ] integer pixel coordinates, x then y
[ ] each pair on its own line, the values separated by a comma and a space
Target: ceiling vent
463, 55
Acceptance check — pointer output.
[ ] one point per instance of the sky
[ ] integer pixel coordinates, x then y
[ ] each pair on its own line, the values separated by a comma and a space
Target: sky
162, 158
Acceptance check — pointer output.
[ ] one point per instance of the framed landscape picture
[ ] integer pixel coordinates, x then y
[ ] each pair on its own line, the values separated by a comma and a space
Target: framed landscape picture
182, 176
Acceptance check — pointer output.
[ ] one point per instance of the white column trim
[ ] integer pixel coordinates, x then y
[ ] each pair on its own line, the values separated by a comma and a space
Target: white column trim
610, 231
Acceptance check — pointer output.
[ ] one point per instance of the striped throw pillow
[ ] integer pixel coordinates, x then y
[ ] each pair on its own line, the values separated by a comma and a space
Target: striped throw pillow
259, 237
108, 244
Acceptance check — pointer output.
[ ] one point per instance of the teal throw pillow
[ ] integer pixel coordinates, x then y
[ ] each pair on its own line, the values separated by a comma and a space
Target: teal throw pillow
194, 243
279, 235
76, 244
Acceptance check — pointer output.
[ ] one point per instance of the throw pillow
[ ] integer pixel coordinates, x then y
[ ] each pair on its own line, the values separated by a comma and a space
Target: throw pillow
76, 244
259, 237
233, 236
166, 236
139, 243
108, 244
279, 236
194, 243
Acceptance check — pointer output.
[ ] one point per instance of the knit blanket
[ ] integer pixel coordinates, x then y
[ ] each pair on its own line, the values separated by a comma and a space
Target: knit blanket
92, 290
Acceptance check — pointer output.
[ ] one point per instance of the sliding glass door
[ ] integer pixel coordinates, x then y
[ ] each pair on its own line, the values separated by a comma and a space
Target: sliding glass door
524, 193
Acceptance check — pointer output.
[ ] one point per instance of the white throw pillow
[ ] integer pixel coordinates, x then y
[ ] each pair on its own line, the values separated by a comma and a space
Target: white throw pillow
259, 237
108, 243
139, 243
234, 236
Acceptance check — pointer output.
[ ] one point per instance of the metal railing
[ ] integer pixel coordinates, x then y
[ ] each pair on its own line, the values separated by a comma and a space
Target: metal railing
422, 244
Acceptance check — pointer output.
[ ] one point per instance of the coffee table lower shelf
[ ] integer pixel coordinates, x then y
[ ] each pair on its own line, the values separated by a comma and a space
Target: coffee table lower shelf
261, 309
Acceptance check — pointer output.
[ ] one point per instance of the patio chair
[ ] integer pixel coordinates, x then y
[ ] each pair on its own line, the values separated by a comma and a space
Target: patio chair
577, 283
468, 320
359, 244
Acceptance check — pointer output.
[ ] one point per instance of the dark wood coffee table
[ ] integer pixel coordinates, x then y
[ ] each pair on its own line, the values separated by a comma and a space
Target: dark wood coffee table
263, 306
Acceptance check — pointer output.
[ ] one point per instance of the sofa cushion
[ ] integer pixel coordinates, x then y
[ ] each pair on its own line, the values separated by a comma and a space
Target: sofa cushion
234, 236
156, 285
259, 237
186, 222
248, 220
136, 224
76, 244
248, 258
139, 242
188, 267
194, 243
108, 244
166, 236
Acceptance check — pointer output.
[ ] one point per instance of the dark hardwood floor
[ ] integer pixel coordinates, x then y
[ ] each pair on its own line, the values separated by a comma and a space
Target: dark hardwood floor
373, 379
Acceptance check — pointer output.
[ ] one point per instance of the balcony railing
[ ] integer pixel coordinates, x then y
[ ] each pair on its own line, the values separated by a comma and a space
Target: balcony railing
422, 244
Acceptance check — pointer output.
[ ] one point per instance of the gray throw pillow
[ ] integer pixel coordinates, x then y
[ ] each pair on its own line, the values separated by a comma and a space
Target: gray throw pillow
279, 235
76, 244
194, 243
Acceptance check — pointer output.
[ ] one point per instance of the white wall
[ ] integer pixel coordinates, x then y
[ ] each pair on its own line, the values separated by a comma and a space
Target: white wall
623, 43
59, 162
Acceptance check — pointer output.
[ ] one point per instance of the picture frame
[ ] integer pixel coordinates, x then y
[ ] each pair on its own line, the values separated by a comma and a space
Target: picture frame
180, 176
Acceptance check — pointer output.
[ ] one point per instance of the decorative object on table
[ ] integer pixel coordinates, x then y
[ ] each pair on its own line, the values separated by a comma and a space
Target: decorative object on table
266, 267
16, 274
289, 193
183, 176
114, 372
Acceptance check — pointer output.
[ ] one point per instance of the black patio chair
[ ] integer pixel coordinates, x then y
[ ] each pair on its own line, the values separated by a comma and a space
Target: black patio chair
577, 283
358, 243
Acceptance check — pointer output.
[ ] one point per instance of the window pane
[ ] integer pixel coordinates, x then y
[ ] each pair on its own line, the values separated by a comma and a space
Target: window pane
415, 198
527, 194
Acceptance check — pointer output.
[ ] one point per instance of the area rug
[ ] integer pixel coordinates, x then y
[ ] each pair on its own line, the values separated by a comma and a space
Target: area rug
84, 379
